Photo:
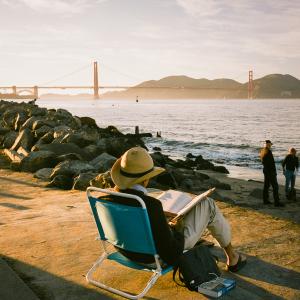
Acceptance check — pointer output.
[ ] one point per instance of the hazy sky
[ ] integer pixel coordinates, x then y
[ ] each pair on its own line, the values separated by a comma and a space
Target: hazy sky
137, 40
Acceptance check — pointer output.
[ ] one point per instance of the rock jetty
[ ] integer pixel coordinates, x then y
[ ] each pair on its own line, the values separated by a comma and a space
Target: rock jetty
73, 152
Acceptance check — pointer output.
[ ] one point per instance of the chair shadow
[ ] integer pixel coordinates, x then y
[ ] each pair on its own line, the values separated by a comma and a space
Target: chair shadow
265, 272
48, 286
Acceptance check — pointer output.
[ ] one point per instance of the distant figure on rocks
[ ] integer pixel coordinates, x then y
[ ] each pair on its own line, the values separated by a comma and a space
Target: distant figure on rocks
32, 101
290, 166
270, 174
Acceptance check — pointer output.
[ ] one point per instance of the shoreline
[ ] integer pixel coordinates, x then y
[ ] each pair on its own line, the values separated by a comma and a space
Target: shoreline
254, 174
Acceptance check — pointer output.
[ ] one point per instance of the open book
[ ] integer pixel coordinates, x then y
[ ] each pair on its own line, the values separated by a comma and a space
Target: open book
180, 203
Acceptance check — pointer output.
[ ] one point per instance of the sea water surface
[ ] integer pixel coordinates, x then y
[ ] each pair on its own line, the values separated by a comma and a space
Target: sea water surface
228, 132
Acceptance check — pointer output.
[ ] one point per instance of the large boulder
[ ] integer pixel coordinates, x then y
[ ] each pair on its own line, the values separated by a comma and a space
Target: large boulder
72, 168
25, 139
41, 131
61, 181
40, 123
161, 160
34, 110
47, 138
9, 139
180, 174
69, 156
88, 122
167, 179
62, 117
212, 182
93, 150
61, 149
20, 119
82, 181
43, 174
38, 160
116, 146
81, 139
10, 115
29, 123
203, 164
102, 181
61, 131
4, 131
191, 184
110, 131
220, 169
103, 162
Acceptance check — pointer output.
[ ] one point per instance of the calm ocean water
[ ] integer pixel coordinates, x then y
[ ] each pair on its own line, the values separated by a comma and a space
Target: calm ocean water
228, 132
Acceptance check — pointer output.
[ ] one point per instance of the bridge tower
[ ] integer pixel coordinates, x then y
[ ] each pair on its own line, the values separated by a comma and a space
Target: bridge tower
14, 90
35, 92
96, 84
250, 85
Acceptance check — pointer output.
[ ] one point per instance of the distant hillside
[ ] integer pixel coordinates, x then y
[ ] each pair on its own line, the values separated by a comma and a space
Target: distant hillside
184, 87
277, 86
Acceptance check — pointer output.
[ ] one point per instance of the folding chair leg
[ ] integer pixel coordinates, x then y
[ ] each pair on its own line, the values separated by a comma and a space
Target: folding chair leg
90, 273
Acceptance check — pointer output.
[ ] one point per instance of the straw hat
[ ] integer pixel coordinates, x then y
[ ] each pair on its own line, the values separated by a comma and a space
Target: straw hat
134, 166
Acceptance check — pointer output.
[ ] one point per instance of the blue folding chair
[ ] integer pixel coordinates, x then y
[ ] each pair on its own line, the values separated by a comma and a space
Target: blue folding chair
128, 228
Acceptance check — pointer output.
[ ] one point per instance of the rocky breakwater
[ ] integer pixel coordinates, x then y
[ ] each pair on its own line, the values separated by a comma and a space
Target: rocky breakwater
72, 152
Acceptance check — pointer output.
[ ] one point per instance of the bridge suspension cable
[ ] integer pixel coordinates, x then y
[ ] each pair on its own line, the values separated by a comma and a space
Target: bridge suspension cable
67, 74
120, 73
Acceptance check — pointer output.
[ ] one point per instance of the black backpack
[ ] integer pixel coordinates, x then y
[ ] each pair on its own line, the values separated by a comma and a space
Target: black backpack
196, 266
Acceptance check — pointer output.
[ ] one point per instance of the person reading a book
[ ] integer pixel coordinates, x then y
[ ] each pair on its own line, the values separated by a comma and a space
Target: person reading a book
131, 174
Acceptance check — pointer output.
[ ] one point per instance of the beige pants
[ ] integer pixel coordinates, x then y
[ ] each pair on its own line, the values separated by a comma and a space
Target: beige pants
204, 215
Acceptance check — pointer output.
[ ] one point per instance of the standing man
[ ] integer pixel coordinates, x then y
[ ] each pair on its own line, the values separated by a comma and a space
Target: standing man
270, 175
290, 164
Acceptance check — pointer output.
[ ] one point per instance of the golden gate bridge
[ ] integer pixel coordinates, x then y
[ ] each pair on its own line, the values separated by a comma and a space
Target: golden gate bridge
32, 92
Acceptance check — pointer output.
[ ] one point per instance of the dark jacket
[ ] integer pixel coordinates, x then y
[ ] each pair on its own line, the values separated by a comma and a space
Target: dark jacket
169, 243
268, 161
290, 162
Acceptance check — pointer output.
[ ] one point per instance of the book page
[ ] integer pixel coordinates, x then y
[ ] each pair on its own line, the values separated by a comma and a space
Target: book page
192, 203
173, 201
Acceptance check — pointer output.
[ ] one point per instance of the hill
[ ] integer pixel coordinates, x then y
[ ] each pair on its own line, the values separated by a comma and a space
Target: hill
277, 86
184, 87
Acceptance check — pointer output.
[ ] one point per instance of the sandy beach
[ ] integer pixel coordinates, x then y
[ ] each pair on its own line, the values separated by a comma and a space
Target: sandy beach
47, 238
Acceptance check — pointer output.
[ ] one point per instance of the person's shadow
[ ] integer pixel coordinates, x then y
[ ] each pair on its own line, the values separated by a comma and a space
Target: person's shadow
267, 277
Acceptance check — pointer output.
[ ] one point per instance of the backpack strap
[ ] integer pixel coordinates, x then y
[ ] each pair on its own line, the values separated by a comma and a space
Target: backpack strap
175, 270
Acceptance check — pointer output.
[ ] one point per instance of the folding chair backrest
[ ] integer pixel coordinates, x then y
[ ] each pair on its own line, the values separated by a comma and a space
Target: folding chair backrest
124, 226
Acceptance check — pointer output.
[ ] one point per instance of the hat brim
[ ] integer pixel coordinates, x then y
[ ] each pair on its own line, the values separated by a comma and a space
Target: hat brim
124, 182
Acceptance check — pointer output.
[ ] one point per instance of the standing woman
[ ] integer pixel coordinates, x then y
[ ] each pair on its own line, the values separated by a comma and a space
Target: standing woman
290, 164
270, 174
